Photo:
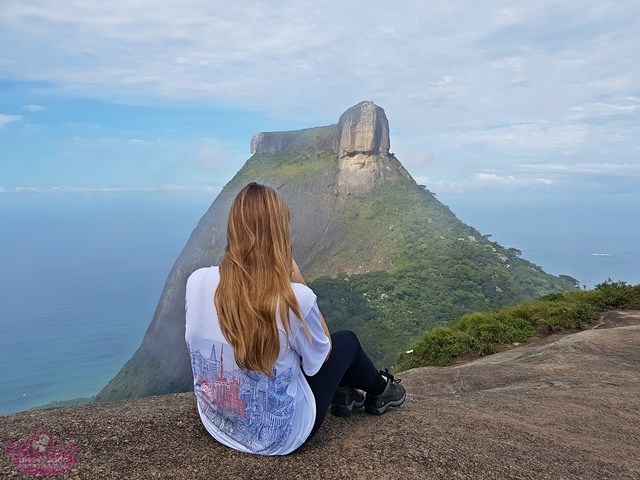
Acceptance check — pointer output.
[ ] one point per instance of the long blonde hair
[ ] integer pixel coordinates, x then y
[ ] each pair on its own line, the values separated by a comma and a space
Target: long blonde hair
255, 278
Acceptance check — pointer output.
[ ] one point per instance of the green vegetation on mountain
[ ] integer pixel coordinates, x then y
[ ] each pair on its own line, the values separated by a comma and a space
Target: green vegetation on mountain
481, 333
290, 166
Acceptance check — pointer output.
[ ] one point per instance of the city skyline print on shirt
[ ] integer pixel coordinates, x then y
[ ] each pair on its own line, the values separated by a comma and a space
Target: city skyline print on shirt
246, 407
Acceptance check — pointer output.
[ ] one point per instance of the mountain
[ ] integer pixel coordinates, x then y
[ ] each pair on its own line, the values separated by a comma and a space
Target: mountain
385, 257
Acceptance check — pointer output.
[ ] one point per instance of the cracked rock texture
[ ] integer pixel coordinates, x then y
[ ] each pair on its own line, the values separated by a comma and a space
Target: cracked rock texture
564, 407
363, 129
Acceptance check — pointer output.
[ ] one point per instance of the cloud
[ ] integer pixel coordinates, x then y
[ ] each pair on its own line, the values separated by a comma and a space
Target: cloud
87, 190
606, 169
171, 187
466, 89
207, 155
464, 55
7, 119
521, 138
111, 142
491, 179
602, 110
202, 189
442, 186
480, 182
33, 108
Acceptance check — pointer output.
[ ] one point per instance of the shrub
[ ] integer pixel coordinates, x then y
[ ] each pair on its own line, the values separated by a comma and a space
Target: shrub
492, 328
441, 345
518, 329
552, 297
617, 295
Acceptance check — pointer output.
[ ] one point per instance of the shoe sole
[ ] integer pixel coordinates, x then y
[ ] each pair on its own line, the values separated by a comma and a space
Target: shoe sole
345, 410
371, 410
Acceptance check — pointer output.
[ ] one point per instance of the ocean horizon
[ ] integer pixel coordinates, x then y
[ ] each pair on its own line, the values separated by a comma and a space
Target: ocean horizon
82, 273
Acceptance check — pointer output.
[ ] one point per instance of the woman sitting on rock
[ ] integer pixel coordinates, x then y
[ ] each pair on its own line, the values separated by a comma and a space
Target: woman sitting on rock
265, 367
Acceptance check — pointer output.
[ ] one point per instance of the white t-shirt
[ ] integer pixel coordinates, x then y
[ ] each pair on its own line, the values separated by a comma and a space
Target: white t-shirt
245, 410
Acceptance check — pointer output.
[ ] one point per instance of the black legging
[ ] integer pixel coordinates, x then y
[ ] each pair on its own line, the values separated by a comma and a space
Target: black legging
347, 364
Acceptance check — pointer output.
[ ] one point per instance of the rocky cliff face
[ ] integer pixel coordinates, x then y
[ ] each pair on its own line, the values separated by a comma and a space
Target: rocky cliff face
363, 130
318, 140
360, 139
363, 148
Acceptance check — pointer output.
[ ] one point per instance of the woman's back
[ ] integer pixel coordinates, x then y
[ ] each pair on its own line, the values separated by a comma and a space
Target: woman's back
246, 410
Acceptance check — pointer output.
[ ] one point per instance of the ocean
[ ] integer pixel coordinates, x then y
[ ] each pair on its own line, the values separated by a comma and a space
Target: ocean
81, 276
81, 273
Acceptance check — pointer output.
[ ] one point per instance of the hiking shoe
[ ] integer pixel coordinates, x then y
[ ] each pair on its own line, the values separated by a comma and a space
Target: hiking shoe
345, 400
393, 395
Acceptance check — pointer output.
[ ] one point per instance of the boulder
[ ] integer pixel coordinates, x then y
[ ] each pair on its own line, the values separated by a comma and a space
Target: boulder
363, 129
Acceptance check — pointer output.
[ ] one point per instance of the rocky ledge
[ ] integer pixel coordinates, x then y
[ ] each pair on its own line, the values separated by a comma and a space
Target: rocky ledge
562, 407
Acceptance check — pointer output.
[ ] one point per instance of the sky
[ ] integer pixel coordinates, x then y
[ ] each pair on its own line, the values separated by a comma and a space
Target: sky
141, 95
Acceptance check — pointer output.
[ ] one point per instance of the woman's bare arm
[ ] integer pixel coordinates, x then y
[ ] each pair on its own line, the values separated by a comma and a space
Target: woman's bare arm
296, 277
326, 332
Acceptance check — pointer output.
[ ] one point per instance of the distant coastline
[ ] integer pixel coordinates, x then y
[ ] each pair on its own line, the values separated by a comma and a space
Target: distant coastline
66, 403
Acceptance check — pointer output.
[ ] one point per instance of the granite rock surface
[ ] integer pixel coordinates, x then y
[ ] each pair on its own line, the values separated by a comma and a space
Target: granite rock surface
363, 129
